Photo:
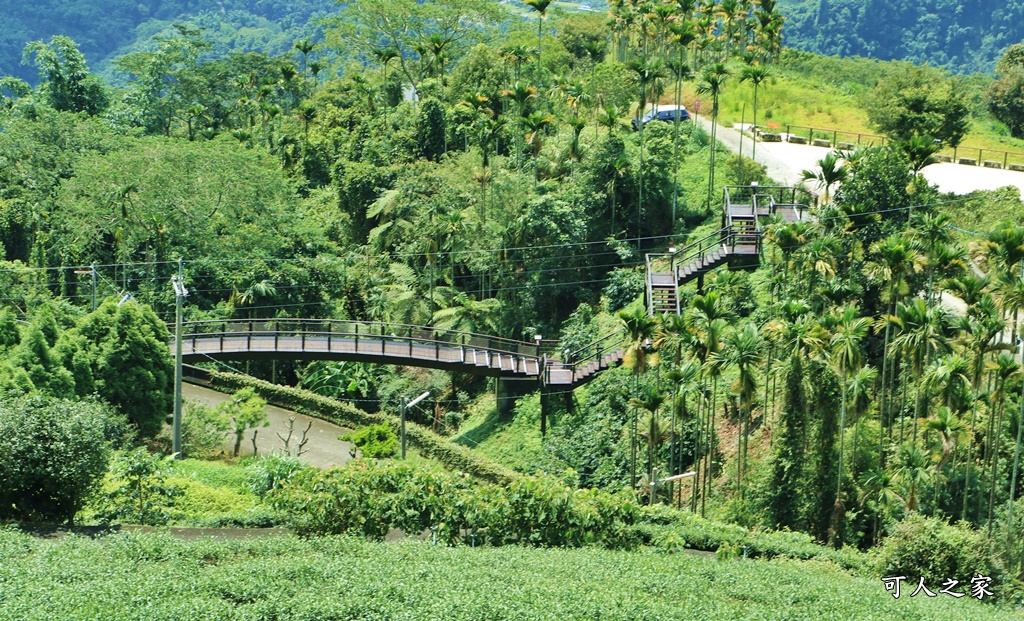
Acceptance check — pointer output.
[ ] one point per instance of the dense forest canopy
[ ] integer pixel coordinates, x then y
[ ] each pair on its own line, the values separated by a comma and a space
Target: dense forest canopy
103, 27
964, 36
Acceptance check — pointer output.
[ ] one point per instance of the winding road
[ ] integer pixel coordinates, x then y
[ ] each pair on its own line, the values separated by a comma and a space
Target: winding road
785, 161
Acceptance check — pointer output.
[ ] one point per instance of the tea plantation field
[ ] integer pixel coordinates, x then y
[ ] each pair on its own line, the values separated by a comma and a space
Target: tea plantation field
156, 577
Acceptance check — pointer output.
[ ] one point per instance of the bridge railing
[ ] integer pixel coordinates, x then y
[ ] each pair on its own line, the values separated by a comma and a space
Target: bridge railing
592, 352
334, 328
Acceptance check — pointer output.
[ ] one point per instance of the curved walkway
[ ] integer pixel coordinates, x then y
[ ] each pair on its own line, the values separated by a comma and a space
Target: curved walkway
323, 450
785, 161
421, 346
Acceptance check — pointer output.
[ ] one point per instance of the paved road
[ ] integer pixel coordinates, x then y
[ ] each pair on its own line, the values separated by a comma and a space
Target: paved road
785, 161
325, 449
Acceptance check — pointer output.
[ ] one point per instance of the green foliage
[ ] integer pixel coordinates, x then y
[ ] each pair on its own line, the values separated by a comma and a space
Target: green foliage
52, 455
1006, 95
661, 527
788, 460
916, 104
375, 441
451, 455
876, 188
292, 579
203, 430
941, 33
370, 498
65, 81
246, 410
140, 491
927, 547
270, 472
133, 369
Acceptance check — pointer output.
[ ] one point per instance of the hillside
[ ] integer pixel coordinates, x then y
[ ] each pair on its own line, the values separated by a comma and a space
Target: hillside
965, 36
102, 27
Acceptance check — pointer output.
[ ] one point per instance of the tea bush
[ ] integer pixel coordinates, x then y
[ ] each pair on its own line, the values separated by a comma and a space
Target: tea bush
160, 578
923, 546
370, 498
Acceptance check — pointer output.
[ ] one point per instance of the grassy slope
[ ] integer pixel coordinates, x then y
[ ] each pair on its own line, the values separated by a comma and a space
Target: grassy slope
514, 442
803, 97
158, 577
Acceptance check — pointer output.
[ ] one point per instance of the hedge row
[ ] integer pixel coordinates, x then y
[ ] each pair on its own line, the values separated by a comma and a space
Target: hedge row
370, 498
429, 444
667, 528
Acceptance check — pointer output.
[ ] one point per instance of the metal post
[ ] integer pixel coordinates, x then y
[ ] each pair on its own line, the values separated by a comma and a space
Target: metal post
93, 267
179, 294
404, 406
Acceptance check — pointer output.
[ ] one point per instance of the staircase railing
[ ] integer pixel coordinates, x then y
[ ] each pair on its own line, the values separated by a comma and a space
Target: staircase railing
591, 352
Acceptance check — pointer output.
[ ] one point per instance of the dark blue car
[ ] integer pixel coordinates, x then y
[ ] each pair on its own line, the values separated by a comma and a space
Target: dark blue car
667, 115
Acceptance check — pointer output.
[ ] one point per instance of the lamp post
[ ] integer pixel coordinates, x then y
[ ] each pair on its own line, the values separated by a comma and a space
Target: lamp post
179, 294
406, 404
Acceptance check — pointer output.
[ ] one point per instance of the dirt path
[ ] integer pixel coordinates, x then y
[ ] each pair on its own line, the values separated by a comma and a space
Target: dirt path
325, 449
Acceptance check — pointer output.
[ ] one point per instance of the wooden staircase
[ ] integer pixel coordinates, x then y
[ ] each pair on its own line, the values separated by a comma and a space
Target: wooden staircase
736, 245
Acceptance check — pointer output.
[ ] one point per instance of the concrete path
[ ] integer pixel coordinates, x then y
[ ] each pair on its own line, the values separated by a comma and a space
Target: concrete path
325, 449
785, 162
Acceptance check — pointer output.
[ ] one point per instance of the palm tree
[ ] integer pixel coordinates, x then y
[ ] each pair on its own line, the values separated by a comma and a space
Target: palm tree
541, 8
645, 73
848, 357
653, 430
879, 494
712, 81
517, 55
980, 326
830, 171
618, 169
534, 123
894, 258
708, 315
912, 470
924, 334
861, 387
639, 356
464, 313
920, 150
743, 350
1005, 367
755, 74
305, 47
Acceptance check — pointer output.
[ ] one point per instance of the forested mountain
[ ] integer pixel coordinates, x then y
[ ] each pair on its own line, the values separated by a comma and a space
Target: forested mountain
101, 27
964, 35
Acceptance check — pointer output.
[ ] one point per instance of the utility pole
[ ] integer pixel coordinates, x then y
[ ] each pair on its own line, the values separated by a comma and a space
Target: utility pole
92, 272
179, 294
406, 404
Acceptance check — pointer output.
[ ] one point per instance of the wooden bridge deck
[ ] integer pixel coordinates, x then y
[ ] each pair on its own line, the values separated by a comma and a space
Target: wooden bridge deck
388, 344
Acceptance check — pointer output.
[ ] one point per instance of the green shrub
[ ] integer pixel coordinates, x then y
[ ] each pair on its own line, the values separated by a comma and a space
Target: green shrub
203, 431
375, 441
370, 498
269, 472
923, 546
195, 501
140, 493
663, 527
52, 455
